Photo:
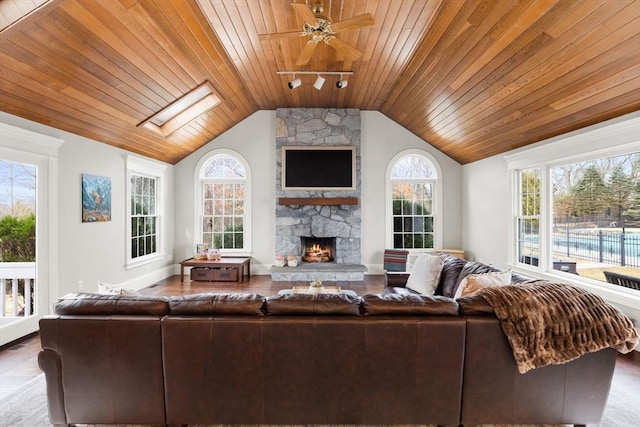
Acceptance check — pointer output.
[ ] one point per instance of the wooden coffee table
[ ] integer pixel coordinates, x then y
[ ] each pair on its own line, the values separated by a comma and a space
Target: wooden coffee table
241, 264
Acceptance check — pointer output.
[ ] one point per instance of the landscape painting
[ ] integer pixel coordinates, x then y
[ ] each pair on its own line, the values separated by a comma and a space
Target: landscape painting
96, 198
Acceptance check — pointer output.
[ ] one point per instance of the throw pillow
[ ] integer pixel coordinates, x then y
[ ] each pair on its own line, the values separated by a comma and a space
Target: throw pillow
471, 284
425, 274
108, 289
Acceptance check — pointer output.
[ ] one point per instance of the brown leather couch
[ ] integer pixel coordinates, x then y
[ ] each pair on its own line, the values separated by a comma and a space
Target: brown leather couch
299, 359
493, 391
246, 359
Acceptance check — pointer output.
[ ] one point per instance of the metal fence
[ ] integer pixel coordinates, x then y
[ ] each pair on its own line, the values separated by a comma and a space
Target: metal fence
609, 247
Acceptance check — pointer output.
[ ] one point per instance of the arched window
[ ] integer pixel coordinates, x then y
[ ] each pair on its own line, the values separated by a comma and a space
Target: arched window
413, 201
224, 199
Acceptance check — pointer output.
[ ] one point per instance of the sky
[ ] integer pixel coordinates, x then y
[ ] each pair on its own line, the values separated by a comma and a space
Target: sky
17, 182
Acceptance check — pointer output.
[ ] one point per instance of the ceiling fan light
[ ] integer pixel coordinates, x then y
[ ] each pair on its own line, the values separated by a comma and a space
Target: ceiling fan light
319, 82
341, 84
294, 83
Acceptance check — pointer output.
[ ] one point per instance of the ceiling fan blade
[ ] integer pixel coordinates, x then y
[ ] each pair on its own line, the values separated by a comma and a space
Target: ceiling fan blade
279, 35
344, 48
356, 22
306, 53
305, 13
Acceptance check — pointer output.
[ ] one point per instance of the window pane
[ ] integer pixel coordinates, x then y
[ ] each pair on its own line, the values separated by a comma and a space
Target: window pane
412, 166
208, 191
596, 217
239, 207
218, 207
208, 207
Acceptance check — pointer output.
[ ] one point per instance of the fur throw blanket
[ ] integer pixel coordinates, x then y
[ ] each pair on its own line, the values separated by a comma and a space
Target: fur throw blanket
550, 323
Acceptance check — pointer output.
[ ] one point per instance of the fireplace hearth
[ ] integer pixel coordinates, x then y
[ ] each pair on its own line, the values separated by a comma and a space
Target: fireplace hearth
318, 249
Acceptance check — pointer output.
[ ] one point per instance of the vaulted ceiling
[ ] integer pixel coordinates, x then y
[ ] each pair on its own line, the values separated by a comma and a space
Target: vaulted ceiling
472, 78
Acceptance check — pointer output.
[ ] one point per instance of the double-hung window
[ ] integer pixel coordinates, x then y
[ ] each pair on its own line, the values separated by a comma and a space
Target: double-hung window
144, 228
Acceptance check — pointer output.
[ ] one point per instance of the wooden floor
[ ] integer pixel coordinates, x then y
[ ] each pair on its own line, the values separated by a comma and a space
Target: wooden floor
262, 285
18, 360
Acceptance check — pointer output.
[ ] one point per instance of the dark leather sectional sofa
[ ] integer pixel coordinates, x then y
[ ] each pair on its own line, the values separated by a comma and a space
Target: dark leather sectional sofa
302, 359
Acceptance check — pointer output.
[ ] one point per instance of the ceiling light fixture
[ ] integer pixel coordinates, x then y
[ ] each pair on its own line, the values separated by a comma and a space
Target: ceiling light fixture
296, 82
183, 110
319, 82
341, 84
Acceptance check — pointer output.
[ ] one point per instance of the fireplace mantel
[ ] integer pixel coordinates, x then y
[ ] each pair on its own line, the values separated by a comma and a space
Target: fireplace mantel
317, 201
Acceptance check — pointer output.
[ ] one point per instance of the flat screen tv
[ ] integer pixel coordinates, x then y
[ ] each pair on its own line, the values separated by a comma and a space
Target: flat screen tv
318, 167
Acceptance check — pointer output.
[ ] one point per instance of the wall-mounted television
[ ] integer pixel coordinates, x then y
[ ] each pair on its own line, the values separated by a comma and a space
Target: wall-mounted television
312, 167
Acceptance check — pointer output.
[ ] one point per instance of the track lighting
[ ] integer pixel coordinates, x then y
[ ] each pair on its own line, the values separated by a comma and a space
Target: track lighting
342, 83
294, 83
319, 82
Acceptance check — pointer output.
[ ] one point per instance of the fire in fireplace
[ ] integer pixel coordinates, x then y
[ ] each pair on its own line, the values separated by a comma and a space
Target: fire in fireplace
318, 249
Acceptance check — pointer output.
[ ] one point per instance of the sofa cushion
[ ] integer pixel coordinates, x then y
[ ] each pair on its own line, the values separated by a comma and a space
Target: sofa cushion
471, 267
320, 304
449, 276
472, 283
425, 274
409, 304
228, 304
103, 304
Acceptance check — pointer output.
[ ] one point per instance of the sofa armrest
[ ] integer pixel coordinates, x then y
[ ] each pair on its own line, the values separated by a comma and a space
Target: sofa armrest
396, 278
49, 362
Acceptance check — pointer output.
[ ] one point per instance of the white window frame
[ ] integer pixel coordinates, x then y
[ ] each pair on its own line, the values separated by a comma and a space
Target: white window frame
612, 138
199, 206
21, 145
437, 200
149, 169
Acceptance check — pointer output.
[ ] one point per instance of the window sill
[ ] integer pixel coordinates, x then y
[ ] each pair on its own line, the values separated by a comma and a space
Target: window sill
145, 260
612, 293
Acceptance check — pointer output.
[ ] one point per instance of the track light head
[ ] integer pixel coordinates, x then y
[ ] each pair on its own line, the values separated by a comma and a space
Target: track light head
341, 84
294, 83
319, 82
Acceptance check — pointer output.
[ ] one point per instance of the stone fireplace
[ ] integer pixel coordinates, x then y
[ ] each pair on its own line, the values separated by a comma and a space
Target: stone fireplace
315, 214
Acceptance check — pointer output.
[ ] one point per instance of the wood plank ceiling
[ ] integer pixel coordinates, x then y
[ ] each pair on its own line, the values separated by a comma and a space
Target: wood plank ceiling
472, 78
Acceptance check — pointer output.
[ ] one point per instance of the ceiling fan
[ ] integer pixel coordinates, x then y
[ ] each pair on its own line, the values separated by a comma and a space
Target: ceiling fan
321, 28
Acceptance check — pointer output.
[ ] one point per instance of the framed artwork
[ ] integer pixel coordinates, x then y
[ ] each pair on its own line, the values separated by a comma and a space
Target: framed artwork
96, 198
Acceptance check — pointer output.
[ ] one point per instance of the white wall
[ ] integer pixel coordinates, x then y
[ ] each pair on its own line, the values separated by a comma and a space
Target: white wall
486, 203
382, 139
254, 139
89, 252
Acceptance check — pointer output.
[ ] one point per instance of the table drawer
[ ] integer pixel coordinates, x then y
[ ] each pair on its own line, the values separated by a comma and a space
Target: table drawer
225, 274
198, 273
214, 274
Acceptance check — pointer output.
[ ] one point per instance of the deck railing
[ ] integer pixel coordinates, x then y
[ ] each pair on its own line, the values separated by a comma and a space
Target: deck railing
17, 287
